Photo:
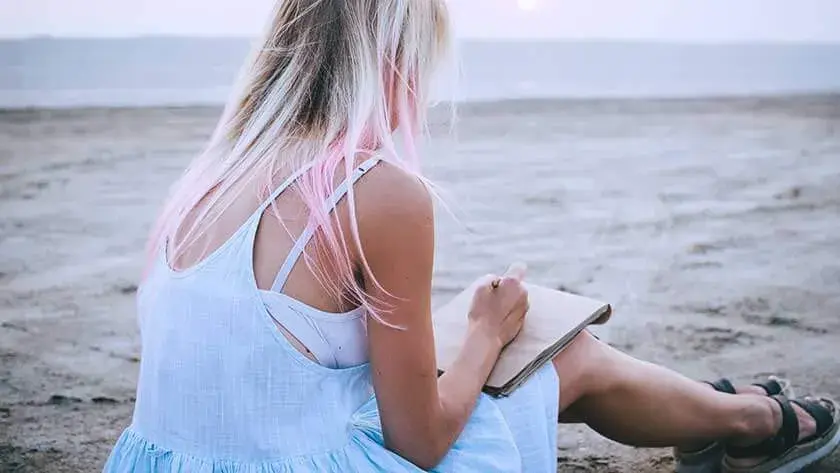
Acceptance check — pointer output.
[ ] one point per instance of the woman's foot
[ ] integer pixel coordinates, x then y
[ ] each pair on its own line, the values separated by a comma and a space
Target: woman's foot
795, 434
807, 429
770, 387
706, 457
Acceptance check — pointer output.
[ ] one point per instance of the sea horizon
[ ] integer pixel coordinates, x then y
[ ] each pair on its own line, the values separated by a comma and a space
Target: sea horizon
172, 70
460, 39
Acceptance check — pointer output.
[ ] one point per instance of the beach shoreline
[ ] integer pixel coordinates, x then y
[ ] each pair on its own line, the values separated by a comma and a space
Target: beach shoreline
440, 109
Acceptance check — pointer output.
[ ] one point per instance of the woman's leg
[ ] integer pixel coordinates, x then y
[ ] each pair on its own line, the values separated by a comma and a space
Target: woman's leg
645, 405
571, 416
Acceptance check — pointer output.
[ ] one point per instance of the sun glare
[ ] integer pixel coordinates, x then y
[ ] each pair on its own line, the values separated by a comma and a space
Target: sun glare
527, 5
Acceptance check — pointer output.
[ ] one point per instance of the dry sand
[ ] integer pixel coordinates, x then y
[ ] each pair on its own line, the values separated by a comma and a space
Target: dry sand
713, 226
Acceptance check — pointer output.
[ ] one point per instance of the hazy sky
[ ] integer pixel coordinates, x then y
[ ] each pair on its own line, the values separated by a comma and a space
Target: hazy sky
682, 20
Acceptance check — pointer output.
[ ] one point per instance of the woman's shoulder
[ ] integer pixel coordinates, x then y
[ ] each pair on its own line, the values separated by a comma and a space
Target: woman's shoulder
395, 215
389, 194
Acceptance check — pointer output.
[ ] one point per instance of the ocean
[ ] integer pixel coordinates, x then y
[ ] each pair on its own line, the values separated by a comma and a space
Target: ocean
164, 71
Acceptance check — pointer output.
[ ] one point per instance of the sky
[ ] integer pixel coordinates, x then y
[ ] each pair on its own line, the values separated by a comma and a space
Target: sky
660, 20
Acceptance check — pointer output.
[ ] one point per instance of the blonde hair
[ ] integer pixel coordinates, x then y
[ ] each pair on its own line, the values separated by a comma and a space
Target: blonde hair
330, 80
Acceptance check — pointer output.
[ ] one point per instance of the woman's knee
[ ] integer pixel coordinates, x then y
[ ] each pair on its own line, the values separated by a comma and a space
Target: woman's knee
581, 367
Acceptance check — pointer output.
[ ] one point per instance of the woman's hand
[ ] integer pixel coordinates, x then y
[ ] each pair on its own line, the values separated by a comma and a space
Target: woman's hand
499, 306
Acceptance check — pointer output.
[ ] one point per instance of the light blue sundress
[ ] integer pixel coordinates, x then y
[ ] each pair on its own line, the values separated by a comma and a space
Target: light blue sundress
221, 390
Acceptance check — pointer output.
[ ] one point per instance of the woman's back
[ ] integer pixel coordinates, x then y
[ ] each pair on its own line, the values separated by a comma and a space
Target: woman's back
218, 377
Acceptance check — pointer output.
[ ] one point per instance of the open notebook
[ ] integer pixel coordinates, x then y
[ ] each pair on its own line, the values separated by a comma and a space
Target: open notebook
554, 319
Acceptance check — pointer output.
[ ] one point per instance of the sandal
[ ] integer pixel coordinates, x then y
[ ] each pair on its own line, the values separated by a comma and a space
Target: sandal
708, 459
785, 454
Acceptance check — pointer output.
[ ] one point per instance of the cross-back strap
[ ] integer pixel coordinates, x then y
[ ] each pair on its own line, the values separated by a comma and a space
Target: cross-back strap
300, 245
285, 185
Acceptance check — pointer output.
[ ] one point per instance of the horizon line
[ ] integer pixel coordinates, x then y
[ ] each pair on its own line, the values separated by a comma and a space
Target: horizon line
488, 39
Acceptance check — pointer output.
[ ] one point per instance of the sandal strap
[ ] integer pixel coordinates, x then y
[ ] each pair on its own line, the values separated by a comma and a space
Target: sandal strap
772, 387
722, 385
785, 439
823, 416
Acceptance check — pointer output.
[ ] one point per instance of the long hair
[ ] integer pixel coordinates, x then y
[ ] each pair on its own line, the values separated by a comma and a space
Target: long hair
331, 79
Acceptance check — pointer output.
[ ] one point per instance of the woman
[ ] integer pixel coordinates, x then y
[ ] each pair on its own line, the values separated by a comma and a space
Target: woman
285, 312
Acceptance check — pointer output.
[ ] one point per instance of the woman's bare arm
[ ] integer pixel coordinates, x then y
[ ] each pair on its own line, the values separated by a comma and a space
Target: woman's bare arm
421, 414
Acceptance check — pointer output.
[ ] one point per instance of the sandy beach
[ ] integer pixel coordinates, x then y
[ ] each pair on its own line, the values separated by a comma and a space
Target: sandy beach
712, 226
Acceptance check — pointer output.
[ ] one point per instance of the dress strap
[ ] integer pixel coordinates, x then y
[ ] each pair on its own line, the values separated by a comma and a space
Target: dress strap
300, 245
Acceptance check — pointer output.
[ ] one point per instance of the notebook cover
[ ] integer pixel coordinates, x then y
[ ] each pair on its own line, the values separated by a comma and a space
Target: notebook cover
554, 318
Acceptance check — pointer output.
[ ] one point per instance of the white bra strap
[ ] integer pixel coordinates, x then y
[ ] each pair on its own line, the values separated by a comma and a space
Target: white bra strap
285, 185
306, 236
